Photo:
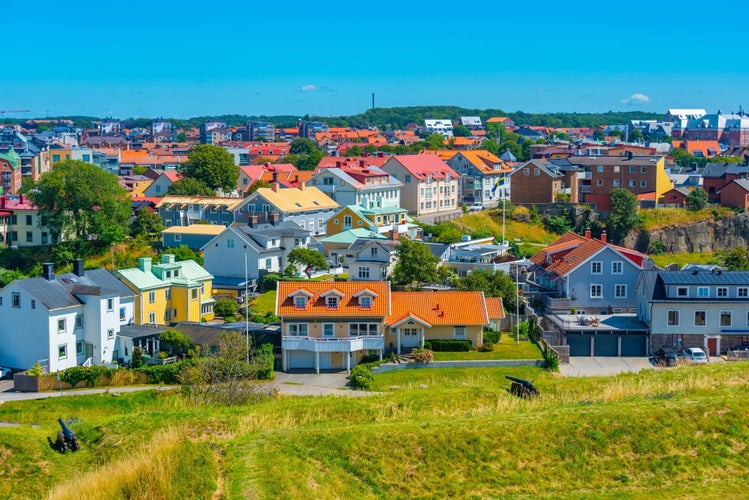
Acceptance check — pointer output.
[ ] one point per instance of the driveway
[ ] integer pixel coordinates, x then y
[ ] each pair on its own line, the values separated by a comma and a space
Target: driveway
584, 366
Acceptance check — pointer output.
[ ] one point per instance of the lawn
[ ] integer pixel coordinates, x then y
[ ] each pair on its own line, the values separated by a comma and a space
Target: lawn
507, 348
264, 304
435, 433
680, 259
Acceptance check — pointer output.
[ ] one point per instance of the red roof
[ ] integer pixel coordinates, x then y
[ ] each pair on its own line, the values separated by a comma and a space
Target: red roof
422, 165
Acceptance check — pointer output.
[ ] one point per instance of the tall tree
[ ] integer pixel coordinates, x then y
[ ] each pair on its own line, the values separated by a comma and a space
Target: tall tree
492, 283
308, 258
80, 201
696, 200
623, 216
190, 186
213, 165
147, 224
416, 265
303, 154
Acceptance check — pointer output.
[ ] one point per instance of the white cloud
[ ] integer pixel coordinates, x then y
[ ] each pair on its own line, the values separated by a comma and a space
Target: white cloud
636, 99
309, 88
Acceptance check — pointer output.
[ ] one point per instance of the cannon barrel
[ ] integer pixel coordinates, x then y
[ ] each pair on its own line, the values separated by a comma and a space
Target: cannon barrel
69, 434
526, 383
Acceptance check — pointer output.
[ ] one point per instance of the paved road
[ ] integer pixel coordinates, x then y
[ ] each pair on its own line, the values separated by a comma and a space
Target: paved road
291, 384
580, 366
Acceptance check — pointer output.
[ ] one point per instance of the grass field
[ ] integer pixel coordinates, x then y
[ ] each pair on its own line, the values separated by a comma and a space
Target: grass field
683, 258
507, 348
673, 433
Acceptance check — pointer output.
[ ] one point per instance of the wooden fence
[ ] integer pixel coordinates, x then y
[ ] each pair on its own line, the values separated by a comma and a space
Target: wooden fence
50, 382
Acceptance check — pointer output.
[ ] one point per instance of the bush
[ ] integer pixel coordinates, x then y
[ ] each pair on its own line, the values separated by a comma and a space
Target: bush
268, 281
225, 307
264, 359
492, 336
444, 345
424, 355
361, 377
162, 374
486, 347
89, 374
35, 371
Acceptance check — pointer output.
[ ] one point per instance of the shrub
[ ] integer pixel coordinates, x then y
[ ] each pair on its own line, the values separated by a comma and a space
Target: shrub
423, 355
89, 374
446, 345
361, 377
264, 360
35, 371
269, 281
162, 374
486, 347
492, 336
225, 308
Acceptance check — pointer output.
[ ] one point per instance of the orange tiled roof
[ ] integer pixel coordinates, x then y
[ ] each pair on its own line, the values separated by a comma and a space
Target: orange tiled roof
494, 307
703, 147
348, 307
440, 308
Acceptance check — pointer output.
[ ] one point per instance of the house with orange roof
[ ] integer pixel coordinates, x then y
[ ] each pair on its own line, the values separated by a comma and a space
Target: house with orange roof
430, 186
496, 312
484, 178
250, 174
502, 120
588, 286
588, 274
702, 149
416, 317
328, 325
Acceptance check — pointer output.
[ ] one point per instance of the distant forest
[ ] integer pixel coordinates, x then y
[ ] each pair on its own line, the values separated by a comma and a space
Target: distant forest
397, 118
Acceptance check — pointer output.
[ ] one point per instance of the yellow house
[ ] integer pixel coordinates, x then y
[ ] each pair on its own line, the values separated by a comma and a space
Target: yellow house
169, 291
377, 219
58, 155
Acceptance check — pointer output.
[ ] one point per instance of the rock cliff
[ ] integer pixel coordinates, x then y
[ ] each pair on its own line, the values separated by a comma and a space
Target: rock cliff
705, 236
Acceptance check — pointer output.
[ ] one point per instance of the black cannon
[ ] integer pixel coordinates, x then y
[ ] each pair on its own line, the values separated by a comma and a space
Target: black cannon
522, 388
66, 440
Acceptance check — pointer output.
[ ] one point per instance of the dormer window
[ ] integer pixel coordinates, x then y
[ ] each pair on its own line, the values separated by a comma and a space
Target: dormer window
331, 302
365, 301
300, 301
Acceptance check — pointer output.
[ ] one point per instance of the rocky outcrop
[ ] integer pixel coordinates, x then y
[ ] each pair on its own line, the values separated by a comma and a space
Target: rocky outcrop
705, 236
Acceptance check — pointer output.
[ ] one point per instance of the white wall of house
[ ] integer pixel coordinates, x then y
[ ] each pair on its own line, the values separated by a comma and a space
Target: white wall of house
24, 333
61, 334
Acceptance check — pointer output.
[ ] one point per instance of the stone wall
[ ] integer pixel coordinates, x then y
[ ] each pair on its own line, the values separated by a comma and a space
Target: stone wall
704, 236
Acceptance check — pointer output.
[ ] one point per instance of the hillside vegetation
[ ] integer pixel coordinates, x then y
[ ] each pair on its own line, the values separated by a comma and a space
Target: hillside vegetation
441, 433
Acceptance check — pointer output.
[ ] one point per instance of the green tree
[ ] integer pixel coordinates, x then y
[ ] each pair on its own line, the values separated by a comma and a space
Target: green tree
225, 308
416, 265
559, 224
8, 275
213, 165
461, 131
435, 141
306, 257
492, 283
354, 151
190, 186
175, 342
181, 137
736, 259
257, 185
80, 201
696, 199
623, 216
146, 224
183, 252
636, 136
598, 135
302, 146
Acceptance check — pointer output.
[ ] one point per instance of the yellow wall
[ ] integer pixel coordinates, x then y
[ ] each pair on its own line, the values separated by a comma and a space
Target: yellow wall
64, 154
143, 307
474, 333
662, 182
139, 187
333, 228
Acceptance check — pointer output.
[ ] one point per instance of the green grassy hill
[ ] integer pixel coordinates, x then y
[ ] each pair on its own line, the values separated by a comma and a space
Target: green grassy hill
431, 433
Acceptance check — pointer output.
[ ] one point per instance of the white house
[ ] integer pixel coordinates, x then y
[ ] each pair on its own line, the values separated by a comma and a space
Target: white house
63, 321
442, 127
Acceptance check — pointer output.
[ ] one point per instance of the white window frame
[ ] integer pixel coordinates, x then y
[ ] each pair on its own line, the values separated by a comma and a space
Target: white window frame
151, 297
365, 301
704, 317
297, 329
331, 302
669, 322
459, 332
596, 287
330, 327
730, 318
596, 264
618, 289
62, 351
742, 292
721, 292
617, 267
152, 318
61, 325
110, 333
300, 301
686, 292
703, 292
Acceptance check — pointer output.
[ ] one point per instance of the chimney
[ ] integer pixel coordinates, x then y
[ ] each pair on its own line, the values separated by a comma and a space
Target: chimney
381, 154
274, 218
167, 258
275, 177
78, 267
266, 164
275, 187
394, 234
252, 220
301, 185
296, 179
338, 164
144, 264
603, 237
48, 271
362, 163
587, 233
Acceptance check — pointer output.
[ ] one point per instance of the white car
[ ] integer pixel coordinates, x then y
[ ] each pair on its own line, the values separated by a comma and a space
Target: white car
694, 355
476, 207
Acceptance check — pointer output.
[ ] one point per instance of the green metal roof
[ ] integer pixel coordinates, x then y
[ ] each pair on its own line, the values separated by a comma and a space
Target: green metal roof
141, 280
351, 235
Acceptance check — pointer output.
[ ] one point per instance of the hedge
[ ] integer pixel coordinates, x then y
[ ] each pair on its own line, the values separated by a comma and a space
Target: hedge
440, 345
492, 336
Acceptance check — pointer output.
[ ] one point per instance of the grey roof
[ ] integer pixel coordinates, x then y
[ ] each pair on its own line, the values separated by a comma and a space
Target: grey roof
141, 331
715, 170
438, 249
697, 277
61, 292
287, 228
743, 183
361, 243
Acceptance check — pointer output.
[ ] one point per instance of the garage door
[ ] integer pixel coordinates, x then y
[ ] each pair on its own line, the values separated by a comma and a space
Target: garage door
302, 359
325, 361
606, 345
634, 345
579, 345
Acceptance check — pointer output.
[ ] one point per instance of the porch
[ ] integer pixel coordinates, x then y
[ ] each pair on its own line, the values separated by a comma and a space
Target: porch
319, 350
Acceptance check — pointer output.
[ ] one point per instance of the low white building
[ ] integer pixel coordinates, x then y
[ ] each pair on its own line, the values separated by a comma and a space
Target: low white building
63, 321
443, 127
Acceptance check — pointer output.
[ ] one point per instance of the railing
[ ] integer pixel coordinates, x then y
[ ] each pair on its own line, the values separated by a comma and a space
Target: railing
333, 344
553, 304
88, 362
738, 355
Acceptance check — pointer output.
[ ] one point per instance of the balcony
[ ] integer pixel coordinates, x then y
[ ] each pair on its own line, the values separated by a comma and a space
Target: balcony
333, 344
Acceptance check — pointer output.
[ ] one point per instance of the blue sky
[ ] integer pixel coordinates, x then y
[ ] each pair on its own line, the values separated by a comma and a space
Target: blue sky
182, 59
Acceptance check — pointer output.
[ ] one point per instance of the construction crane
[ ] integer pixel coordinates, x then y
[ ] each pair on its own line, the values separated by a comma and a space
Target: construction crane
6, 111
